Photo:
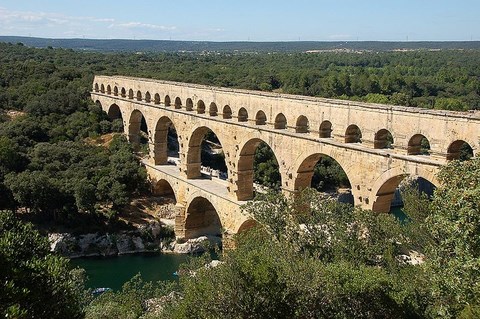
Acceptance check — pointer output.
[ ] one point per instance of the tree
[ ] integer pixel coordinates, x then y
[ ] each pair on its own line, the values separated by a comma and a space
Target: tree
35, 283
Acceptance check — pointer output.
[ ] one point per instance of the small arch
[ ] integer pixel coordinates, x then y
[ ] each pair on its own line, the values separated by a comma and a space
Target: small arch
353, 134
202, 219
123, 92
213, 110
200, 107
242, 115
302, 124
109, 89
260, 118
130, 94
383, 139
459, 150
96, 87
246, 225
139, 96
115, 90
164, 189
280, 122
156, 98
418, 145
148, 98
326, 129
189, 106
167, 100
178, 103
102, 88
227, 112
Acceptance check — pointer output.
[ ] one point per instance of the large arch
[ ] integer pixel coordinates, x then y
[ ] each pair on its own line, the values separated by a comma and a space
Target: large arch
194, 152
353, 134
383, 189
114, 112
227, 112
325, 130
383, 139
459, 150
201, 218
302, 124
260, 118
418, 145
280, 122
137, 124
245, 168
161, 143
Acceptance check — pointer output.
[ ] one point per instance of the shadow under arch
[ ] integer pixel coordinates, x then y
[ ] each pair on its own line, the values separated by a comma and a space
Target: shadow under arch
201, 218
459, 150
163, 188
246, 225
313, 172
245, 168
386, 185
114, 112
165, 141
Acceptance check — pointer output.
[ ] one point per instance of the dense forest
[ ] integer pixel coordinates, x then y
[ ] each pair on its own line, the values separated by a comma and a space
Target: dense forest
53, 167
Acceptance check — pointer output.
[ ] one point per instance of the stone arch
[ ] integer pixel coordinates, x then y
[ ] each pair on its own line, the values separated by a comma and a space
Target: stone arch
353, 134
194, 153
102, 88
130, 94
201, 218
164, 188
160, 146
178, 103
383, 139
189, 106
280, 122
109, 89
115, 90
260, 118
99, 104
96, 87
123, 92
137, 124
156, 98
246, 225
114, 112
167, 100
227, 112
383, 189
305, 170
139, 95
200, 107
459, 150
148, 97
245, 168
242, 115
418, 145
302, 124
213, 110
326, 129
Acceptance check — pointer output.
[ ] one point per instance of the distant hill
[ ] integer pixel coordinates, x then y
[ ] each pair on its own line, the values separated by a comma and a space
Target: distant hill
199, 46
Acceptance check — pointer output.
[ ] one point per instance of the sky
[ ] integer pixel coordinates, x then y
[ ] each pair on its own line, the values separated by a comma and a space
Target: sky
244, 20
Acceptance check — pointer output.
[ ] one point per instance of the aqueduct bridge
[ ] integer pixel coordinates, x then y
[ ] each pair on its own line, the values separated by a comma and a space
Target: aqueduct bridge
298, 129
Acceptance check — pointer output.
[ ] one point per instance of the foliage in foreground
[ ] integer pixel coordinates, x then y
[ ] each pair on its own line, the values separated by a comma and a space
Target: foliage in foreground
33, 282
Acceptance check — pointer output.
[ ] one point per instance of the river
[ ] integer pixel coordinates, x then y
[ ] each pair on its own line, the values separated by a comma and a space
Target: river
113, 272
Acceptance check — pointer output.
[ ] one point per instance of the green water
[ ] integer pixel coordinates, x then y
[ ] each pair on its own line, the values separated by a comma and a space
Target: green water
399, 213
113, 272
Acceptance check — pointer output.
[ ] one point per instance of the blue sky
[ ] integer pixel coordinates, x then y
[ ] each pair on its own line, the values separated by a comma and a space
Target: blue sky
237, 20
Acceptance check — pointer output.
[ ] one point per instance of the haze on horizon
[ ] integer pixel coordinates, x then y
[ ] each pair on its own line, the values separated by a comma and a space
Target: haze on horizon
266, 20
